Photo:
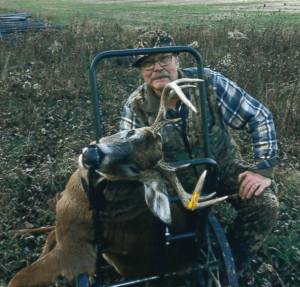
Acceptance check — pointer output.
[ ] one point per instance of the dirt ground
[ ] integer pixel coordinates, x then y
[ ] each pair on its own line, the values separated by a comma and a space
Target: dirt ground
292, 6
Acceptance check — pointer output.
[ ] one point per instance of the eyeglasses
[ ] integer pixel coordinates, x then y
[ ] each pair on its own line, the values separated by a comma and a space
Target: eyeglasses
162, 60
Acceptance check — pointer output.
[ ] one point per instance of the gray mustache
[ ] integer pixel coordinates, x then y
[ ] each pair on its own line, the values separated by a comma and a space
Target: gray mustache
160, 75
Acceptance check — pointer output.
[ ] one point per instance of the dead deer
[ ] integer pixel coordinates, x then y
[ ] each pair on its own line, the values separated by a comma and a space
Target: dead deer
129, 173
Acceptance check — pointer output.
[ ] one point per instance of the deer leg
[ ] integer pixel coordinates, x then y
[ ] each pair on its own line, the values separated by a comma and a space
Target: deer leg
65, 261
50, 241
49, 244
41, 273
32, 231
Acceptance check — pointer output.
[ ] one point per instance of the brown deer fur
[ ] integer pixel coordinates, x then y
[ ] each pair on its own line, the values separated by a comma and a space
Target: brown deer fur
130, 230
130, 177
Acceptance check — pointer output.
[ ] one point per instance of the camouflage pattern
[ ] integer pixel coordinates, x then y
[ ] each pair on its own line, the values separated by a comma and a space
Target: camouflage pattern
152, 39
256, 216
223, 146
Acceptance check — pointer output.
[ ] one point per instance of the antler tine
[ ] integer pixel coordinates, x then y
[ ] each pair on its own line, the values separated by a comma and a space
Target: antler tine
165, 98
189, 201
200, 182
178, 90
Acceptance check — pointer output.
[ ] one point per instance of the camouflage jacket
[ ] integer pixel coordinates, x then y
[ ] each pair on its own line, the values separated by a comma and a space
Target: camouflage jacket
227, 105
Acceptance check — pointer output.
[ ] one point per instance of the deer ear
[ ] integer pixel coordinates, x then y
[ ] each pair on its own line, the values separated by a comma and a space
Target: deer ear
157, 199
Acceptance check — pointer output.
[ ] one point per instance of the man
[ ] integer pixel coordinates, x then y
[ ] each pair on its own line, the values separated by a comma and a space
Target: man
252, 187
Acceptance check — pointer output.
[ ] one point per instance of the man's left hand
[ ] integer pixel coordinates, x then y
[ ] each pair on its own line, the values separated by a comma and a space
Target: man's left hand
252, 182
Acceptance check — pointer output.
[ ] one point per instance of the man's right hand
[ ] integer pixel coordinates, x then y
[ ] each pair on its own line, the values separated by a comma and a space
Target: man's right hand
252, 183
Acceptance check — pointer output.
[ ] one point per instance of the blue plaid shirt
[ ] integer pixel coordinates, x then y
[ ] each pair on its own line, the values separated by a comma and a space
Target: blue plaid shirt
239, 111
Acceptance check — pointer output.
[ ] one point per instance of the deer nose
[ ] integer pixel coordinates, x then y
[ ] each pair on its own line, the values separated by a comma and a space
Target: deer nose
92, 157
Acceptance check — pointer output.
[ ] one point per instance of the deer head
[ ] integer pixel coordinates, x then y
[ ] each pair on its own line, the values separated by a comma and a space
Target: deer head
137, 155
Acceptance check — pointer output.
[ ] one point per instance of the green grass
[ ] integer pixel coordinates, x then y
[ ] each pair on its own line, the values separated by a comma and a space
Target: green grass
145, 14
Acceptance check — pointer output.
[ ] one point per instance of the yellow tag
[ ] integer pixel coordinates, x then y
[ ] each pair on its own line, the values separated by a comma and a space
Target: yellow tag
194, 201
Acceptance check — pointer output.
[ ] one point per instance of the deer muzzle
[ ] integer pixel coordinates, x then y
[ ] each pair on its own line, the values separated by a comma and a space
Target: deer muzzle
92, 157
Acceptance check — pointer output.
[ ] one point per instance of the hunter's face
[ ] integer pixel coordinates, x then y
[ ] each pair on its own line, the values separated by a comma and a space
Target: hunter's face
162, 73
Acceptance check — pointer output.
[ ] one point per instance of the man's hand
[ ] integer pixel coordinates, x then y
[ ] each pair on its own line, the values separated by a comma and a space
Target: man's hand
252, 182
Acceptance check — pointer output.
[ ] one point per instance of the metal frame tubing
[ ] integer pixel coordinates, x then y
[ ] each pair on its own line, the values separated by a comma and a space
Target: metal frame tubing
210, 164
134, 52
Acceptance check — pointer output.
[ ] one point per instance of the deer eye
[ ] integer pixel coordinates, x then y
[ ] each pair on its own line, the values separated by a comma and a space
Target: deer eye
130, 133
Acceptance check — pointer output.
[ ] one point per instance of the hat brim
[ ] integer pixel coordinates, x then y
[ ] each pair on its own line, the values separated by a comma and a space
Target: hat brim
138, 62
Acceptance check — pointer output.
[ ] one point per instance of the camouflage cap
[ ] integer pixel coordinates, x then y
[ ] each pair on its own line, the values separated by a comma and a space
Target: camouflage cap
151, 39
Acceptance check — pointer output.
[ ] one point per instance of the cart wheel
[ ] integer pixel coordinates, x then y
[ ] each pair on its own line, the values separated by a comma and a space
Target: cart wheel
216, 258
216, 267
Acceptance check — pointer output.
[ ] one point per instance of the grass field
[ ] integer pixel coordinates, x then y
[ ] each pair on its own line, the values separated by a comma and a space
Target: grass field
46, 112
135, 14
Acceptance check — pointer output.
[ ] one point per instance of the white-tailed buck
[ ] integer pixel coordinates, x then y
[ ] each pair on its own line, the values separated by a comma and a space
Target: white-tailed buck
130, 177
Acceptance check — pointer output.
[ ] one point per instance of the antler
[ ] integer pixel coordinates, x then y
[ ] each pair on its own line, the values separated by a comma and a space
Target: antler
168, 92
185, 197
189, 201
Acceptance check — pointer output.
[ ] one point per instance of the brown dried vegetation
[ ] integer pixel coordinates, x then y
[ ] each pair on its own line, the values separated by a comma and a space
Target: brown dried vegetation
46, 119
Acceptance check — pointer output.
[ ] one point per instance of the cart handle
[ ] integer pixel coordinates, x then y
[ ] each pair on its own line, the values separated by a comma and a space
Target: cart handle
150, 51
